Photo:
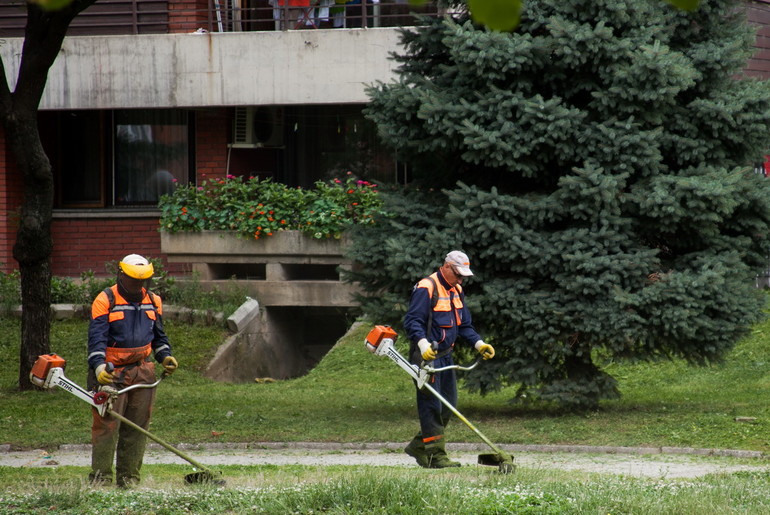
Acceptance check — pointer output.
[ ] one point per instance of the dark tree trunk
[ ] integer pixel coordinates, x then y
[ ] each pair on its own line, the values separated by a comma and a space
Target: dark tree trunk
43, 38
33, 242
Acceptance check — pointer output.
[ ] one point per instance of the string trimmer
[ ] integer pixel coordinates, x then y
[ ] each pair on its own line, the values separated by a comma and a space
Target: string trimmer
381, 341
48, 371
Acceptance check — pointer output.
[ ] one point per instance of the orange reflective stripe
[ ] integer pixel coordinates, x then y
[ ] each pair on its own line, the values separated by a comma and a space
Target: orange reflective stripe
120, 357
432, 438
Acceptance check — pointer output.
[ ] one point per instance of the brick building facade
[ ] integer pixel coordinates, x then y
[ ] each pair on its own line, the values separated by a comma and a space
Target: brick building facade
85, 238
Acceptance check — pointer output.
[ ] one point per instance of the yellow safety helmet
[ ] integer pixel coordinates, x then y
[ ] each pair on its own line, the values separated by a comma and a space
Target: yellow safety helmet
136, 267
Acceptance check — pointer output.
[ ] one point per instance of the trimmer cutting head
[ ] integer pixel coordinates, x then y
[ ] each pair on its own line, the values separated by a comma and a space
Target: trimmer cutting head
503, 462
381, 342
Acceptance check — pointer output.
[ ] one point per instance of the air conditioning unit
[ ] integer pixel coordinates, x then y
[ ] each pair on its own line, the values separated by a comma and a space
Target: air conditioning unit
258, 126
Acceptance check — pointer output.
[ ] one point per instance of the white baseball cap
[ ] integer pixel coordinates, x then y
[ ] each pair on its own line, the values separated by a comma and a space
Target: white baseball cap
460, 261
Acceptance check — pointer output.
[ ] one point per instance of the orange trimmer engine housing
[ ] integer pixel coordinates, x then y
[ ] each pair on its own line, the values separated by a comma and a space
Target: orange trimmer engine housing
377, 334
43, 366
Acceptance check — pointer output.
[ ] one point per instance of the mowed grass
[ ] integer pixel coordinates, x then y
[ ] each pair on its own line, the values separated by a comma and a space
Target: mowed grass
294, 489
354, 396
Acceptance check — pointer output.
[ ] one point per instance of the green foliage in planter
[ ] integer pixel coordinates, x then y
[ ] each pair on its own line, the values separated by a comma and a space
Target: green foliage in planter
256, 208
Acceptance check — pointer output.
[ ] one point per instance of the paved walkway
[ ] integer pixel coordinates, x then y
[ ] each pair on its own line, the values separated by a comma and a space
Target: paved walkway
666, 462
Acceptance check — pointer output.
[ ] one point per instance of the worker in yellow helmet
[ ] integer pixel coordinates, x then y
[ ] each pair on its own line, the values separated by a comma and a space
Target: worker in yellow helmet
125, 334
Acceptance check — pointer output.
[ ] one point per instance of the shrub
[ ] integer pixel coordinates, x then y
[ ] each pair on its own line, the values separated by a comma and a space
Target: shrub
255, 208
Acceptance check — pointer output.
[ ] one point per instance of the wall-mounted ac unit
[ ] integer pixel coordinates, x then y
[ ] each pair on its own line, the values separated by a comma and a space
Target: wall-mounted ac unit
258, 126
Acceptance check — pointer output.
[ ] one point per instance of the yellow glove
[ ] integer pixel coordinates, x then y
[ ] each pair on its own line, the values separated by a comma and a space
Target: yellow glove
427, 351
102, 375
485, 349
169, 364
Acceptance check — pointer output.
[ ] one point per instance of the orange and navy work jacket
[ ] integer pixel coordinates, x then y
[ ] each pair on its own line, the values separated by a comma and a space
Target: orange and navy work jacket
127, 332
451, 317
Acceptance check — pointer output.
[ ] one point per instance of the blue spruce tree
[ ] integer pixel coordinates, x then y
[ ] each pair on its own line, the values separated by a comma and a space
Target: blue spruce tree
596, 164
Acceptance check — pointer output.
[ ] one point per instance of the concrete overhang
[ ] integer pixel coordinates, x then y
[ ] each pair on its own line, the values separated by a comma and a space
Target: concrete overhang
319, 66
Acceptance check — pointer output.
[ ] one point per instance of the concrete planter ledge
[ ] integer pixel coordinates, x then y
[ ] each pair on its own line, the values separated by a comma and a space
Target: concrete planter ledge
289, 268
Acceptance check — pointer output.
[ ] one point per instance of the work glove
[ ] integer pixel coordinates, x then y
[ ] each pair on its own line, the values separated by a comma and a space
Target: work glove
485, 349
427, 351
102, 375
169, 364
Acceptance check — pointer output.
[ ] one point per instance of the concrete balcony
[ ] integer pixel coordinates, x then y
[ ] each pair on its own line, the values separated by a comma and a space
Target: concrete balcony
288, 269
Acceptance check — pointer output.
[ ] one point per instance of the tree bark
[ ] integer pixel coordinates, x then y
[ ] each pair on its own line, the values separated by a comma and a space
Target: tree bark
33, 242
43, 38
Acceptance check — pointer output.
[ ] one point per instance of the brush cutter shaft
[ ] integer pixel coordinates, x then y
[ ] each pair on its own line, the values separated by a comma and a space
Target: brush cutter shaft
461, 417
421, 375
159, 440
56, 377
387, 348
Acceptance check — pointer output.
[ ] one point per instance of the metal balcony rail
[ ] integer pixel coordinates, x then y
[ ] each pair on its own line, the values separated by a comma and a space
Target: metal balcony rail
121, 17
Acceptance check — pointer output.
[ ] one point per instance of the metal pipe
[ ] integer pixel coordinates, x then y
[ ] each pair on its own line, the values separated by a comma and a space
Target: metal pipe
162, 442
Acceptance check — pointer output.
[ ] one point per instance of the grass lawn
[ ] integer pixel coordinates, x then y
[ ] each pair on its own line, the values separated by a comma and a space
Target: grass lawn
354, 396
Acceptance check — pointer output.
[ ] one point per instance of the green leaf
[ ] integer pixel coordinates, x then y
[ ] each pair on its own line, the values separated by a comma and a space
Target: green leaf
52, 5
500, 15
687, 5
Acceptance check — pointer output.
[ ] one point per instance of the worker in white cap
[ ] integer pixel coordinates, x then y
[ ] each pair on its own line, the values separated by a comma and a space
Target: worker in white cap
125, 334
437, 315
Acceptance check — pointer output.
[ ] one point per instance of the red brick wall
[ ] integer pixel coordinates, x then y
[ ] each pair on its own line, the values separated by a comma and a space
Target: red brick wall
187, 15
82, 244
212, 136
10, 200
759, 14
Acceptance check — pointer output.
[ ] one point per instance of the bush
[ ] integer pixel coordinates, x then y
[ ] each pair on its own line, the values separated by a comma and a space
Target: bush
257, 208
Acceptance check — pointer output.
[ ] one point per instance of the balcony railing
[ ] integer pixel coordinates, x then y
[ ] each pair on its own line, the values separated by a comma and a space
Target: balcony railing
108, 17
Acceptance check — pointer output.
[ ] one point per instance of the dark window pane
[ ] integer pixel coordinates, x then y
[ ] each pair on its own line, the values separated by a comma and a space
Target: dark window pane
73, 143
151, 154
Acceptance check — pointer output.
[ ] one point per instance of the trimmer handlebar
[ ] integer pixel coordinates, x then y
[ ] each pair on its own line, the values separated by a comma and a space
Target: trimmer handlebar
425, 366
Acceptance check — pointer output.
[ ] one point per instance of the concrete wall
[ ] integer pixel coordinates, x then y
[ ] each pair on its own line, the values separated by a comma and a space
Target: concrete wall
296, 270
213, 69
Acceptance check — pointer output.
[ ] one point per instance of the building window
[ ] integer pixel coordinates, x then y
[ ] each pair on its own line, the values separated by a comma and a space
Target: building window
152, 153
117, 158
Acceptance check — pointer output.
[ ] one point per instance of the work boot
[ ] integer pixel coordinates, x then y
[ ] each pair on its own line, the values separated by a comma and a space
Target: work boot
437, 456
416, 449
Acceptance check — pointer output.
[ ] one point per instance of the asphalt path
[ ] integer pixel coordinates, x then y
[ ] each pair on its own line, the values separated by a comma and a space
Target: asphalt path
636, 462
